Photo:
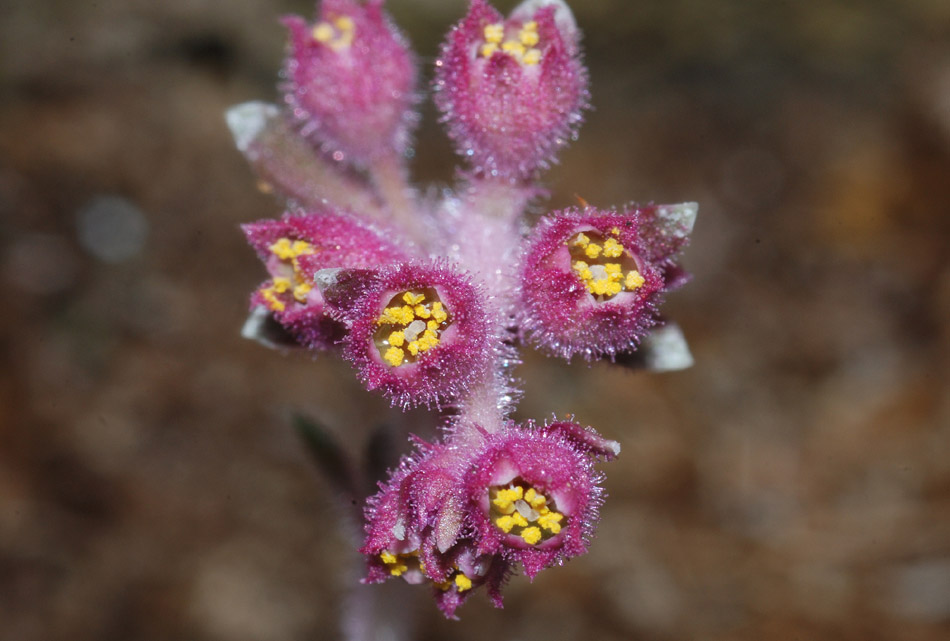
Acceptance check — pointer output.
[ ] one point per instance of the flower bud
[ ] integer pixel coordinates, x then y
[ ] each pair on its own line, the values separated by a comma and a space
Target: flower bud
293, 249
350, 81
592, 280
512, 90
420, 334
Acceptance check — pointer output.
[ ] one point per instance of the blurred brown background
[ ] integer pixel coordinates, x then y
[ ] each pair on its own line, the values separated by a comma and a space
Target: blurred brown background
795, 484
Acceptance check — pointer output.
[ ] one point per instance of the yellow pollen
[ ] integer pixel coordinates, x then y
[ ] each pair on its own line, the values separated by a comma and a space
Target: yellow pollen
634, 280
592, 250
396, 339
505, 523
615, 231
531, 25
345, 24
531, 535
273, 303
551, 522
612, 249
323, 32
301, 291
413, 348
387, 557
494, 33
281, 285
582, 240
613, 269
394, 356
514, 48
519, 520
395, 563
412, 299
528, 38
488, 49
421, 311
532, 57
462, 582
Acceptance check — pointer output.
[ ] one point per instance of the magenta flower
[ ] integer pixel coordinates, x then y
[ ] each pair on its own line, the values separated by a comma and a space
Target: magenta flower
418, 332
592, 283
460, 519
431, 293
512, 91
350, 81
293, 249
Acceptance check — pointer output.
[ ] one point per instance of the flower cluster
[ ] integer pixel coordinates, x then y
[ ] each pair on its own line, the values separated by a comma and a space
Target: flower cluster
429, 297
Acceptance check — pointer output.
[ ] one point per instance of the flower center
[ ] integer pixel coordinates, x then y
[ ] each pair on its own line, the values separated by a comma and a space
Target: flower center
288, 283
522, 510
605, 266
520, 45
337, 34
410, 325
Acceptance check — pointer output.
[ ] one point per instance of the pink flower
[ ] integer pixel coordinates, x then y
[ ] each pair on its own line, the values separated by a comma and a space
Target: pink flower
295, 247
350, 81
512, 91
462, 518
593, 280
418, 332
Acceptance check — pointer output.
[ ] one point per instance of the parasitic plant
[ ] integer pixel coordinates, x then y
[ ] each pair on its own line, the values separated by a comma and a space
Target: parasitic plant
430, 297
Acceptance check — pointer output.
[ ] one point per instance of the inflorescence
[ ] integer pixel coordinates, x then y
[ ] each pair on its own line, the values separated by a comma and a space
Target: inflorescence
429, 297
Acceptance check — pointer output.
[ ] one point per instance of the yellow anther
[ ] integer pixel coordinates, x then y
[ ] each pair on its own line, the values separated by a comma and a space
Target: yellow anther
432, 324
281, 285
413, 299
273, 303
534, 499
397, 338
413, 348
592, 250
531, 25
550, 522
582, 240
422, 312
580, 265
345, 24
488, 49
387, 557
528, 37
600, 287
323, 32
462, 582
614, 288
301, 291
394, 356
613, 268
282, 249
615, 231
494, 33
531, 535
438, 313
520, 521
532, 56
300, 248
505, 523
612, 249
634, 280
513, 47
